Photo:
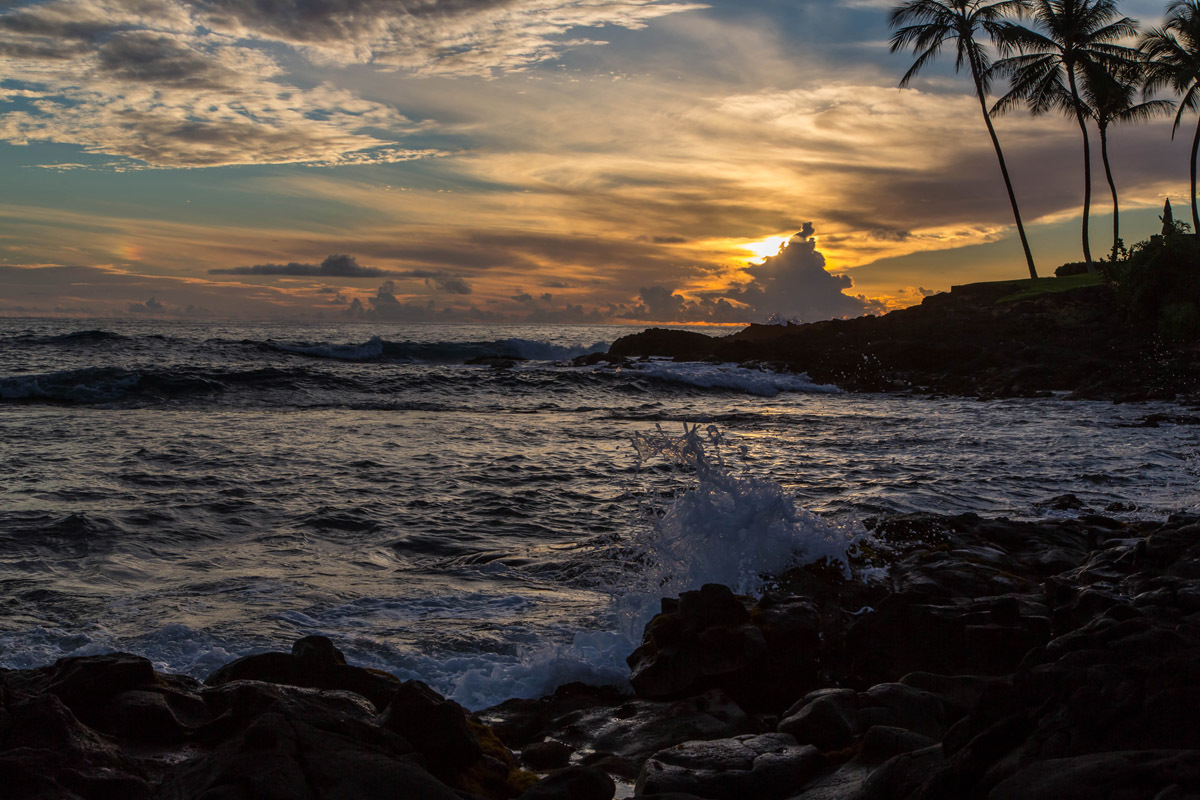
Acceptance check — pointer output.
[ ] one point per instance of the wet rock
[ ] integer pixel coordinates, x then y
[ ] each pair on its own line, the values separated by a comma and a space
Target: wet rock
1063, 502
624, 735
766, 766
314, 663
573, 783
704, 640
683, 345
520, 722
591, 359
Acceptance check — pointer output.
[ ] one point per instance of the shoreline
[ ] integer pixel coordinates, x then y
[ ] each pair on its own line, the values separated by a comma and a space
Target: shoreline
1046, 658
978, 340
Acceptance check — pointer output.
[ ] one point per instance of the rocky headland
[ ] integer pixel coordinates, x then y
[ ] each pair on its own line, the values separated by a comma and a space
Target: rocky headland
984, 339
963, 658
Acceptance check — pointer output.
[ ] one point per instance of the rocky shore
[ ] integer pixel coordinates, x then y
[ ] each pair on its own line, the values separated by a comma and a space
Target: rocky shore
965, 657
984, 339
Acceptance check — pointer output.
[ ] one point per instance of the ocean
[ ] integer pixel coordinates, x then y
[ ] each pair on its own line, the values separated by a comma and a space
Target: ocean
198, 491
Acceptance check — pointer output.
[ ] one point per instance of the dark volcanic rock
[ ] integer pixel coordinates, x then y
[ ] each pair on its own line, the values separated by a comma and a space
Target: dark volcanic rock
110, 727
683, 345
314, 663
605, 726
702, 641
546, 755
768, 766
437, 727
573, 783
998, 659
284, 742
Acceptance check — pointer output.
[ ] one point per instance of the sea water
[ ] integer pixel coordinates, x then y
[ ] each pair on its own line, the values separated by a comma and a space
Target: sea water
194, 492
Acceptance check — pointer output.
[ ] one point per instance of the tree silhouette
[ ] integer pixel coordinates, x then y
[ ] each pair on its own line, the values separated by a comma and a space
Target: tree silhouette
1110, 98
926, 26
1173, 53
1069, 38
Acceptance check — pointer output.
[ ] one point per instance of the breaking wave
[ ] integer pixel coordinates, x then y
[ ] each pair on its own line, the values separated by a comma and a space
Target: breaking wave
379, 349
725, 528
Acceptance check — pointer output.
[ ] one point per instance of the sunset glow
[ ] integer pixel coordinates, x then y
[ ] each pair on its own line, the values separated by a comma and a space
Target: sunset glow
543, 160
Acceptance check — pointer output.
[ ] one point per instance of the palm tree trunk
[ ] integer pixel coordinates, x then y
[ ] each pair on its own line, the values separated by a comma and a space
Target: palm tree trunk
1112, 186
1087, 168
1195, 215
1012, 197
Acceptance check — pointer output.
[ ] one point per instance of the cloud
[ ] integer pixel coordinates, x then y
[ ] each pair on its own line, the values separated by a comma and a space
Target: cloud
204, 83
791, 285
110, 292
151, 306
451, 285
334, 266
794, 284
474, 37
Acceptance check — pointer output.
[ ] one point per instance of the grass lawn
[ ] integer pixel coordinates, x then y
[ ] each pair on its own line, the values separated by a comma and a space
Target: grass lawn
1032, 287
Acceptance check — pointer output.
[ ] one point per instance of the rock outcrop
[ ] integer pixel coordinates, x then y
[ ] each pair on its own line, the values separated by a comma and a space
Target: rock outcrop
976, 340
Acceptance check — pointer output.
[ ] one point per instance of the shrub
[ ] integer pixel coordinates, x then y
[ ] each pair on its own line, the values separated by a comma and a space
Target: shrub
1180, 322
1071, 268
1159, 284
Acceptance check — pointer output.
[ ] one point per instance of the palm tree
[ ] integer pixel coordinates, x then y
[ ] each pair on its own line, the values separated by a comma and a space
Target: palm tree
1069, 38
1109, 98
1174, 60
926, 26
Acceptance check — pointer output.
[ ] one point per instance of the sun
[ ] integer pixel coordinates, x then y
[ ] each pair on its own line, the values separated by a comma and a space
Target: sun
766, 247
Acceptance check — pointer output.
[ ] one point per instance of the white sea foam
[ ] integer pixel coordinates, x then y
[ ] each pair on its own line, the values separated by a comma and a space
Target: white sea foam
728, 529
730, 376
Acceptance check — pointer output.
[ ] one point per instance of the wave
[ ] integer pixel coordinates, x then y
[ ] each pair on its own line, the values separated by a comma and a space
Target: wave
726, 528
379, 349
75, 337
105, 385
730, 377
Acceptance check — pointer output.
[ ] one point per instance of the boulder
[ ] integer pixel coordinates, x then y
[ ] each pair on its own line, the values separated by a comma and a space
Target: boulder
314, 663
546, 755
1128, 775
766, 766
573, 783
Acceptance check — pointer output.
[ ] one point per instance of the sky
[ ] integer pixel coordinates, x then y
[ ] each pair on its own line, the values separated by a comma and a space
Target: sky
573, 161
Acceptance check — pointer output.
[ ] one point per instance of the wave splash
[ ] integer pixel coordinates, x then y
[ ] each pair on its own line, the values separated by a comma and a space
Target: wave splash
724, 528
